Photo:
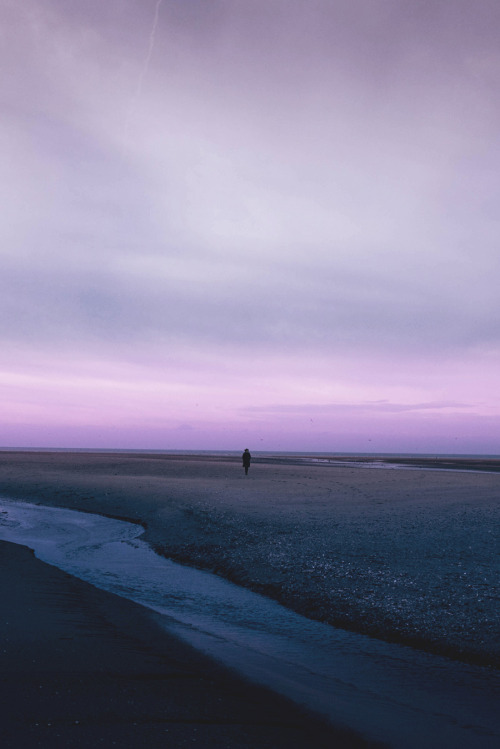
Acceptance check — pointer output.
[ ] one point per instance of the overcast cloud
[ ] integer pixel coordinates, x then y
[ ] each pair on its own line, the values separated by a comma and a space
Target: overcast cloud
273, 222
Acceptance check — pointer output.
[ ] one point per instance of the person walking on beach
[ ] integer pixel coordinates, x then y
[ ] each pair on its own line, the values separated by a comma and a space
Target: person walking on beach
246, 457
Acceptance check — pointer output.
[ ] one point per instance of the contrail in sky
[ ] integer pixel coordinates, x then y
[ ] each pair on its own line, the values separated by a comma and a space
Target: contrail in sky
145, 68
151, 46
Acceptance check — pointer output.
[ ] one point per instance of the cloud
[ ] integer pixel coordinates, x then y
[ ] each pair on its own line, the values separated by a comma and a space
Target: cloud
303, 193
376, 407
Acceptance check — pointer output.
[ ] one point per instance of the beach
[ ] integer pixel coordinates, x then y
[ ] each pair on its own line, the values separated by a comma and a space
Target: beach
402, 555
80, 668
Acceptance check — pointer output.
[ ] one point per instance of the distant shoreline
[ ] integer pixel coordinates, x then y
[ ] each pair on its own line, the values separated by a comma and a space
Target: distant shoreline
425, 461
440, 463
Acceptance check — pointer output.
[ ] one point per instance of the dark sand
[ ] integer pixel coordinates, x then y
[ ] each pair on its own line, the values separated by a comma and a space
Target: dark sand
407, 556
83, 668
404, 555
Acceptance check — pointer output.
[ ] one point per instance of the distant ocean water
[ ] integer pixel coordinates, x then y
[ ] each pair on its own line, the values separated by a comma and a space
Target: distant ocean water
256, 453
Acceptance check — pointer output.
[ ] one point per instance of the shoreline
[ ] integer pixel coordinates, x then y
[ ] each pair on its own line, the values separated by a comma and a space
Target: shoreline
441, 463
203, 513
99, 668
489, 464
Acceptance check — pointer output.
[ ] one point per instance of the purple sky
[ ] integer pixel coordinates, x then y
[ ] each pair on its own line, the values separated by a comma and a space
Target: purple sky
262, 223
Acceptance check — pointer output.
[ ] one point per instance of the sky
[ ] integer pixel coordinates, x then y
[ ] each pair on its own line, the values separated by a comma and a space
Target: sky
270, 224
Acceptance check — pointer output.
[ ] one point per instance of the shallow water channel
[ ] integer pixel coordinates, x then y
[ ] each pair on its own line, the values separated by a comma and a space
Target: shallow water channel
386, 692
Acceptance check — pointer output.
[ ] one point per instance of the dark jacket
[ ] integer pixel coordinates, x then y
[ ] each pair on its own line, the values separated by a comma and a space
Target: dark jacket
246, 457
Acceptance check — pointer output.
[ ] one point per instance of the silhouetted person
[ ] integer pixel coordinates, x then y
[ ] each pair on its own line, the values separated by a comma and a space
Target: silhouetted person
246, 457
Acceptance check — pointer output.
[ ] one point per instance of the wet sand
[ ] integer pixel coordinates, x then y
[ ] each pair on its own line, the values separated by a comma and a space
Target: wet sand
406, 556
83, 668
439, 463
